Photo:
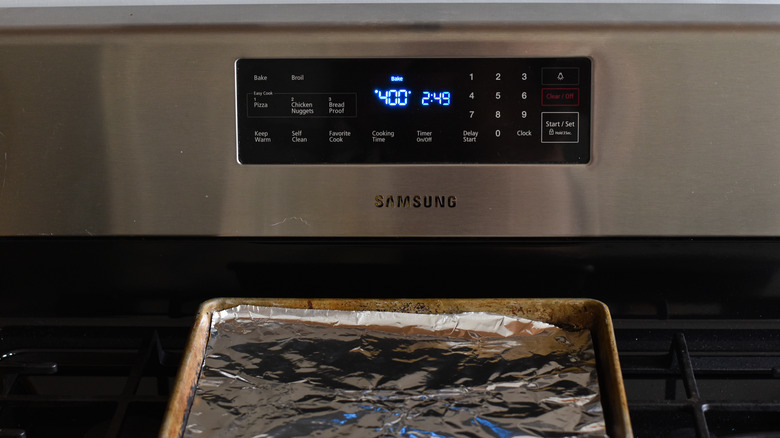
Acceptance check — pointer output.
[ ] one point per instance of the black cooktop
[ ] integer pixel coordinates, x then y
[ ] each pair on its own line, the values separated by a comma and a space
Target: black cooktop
91, 334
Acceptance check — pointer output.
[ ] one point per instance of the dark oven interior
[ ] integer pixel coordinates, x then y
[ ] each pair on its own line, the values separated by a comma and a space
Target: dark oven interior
92, 330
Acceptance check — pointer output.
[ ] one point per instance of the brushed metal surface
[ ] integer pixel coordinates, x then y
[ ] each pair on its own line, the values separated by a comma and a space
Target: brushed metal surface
388, 12
131, 131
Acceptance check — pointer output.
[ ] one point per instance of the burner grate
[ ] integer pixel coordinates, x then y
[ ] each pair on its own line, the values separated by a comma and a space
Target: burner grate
684, 378
709, 381
93, 381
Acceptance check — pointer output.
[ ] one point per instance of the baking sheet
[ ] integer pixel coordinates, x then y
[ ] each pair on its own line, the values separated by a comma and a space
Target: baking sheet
299, 372
573, 314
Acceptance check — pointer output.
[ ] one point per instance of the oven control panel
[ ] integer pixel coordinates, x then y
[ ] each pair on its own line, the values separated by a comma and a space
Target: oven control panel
413, 110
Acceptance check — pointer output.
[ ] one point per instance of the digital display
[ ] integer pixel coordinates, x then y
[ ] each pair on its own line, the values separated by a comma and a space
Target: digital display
413, 110
401, 97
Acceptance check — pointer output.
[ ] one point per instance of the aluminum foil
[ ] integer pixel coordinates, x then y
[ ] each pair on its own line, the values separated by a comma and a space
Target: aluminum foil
271, 372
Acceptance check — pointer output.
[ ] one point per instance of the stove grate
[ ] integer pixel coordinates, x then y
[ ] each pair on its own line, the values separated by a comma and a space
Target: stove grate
683, 378
709, 382
89, 381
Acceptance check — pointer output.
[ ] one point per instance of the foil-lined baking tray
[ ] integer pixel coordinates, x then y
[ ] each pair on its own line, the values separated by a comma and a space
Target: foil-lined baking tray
214, 384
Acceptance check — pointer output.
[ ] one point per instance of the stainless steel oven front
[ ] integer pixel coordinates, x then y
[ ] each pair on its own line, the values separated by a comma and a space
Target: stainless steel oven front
133, 125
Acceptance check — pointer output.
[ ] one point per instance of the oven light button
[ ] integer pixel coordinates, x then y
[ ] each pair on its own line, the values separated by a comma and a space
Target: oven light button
560, 76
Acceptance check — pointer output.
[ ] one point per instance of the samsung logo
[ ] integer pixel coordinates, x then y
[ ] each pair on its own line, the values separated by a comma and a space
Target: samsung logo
415, 201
